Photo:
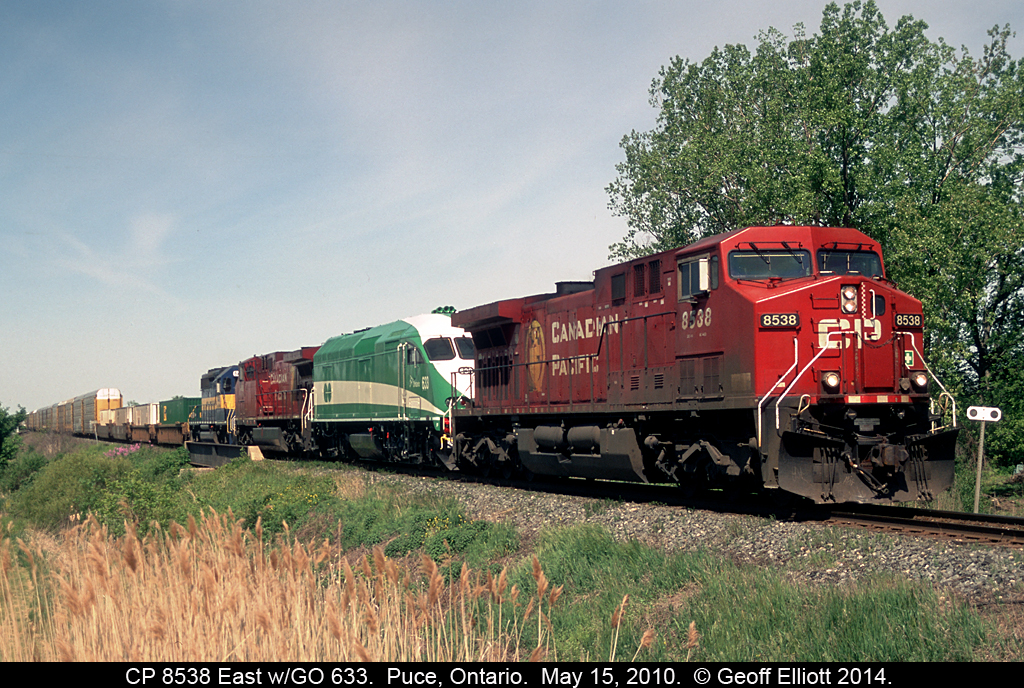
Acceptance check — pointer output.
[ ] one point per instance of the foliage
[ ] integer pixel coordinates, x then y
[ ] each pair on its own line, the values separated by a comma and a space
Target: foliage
259, 491
655, 599
20, 472
593, 567
67, 488
9, 440
134, 499
256, 491
213, 591
916, 144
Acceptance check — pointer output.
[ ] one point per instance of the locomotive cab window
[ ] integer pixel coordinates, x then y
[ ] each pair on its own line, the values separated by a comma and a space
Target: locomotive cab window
697, 276
759, 264
413, 356
467, 351
439, 349
833, 262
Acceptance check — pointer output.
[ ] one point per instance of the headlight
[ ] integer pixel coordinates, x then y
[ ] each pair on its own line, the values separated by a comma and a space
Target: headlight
849, 296
831, 381
919, 380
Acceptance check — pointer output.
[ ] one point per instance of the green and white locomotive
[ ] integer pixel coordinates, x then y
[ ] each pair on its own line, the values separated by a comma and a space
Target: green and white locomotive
386, 393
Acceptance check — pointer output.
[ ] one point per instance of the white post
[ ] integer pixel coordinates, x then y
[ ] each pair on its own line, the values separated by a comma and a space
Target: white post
983, 414
977, 479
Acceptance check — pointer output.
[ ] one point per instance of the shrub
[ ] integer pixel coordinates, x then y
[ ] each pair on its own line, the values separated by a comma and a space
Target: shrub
67, 488
20, 472
134, 499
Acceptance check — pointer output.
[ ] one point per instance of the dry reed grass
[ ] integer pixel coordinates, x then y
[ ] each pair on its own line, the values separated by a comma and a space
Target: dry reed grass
212, 591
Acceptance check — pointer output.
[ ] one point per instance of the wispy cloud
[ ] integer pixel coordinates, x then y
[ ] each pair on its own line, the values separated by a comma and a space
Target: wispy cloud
120, 273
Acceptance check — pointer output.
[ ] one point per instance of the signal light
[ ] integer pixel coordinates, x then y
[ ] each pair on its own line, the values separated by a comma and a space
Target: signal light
919, 380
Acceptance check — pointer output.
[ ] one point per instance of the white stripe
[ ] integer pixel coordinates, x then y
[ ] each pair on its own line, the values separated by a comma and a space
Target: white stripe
377, 393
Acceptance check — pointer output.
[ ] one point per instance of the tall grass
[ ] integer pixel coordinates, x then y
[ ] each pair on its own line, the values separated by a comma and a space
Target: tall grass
212, 591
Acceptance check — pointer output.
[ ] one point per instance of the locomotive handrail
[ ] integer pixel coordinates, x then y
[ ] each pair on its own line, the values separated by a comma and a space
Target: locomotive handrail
307, 409
401, 351
934, 377
942, 408
796, 361
801, 374
605, 325
456, 397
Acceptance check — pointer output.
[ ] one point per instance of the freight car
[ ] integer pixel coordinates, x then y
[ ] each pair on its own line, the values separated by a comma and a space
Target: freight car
164, 422
771, 358
77, 416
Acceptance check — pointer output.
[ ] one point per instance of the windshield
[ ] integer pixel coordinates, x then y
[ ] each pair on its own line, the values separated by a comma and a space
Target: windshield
439, 349
849, 262
766, 264
467, 352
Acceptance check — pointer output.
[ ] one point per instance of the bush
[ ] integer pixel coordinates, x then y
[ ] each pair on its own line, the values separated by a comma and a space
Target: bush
20, 472
134, 499
10, 442
68, 487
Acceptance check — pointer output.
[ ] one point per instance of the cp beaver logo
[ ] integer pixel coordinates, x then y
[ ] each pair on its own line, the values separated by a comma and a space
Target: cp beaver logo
534, 356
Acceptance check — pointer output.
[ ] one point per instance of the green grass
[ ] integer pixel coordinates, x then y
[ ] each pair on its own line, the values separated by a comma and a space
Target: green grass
758, 615
743, 612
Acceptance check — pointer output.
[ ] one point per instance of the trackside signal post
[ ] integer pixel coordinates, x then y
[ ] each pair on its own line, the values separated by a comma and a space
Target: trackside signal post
983, 414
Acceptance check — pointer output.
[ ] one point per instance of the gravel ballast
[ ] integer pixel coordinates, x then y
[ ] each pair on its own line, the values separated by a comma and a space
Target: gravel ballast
806, 551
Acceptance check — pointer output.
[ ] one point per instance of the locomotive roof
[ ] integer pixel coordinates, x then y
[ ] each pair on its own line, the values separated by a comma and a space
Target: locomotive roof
363, 342
794, 236
801, 234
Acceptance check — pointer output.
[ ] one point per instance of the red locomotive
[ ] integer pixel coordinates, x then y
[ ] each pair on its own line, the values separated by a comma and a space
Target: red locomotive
778, 358
274, 402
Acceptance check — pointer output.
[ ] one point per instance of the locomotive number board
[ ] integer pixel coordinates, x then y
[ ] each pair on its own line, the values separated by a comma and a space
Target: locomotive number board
780, 320
908, 320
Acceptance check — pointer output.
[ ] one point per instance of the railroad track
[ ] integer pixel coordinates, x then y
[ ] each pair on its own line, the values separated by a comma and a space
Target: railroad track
1004, 531
985, 529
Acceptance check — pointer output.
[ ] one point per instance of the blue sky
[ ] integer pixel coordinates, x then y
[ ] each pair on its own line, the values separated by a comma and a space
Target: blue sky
186, 184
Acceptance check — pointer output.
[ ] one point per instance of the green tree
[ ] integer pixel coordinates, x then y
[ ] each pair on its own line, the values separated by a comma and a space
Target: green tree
9, 440
915, 143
